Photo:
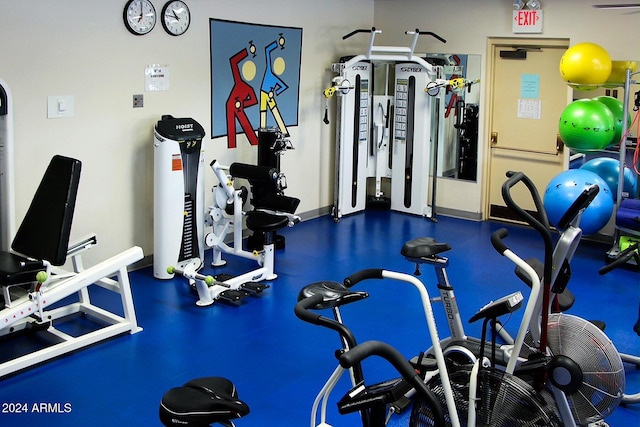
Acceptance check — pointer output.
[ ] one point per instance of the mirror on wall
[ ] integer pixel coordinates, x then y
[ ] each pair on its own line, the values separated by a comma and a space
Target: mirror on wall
457, 155
457, 151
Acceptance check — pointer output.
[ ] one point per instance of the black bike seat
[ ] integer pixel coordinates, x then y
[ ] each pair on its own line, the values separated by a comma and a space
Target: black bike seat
334, 294
423, 247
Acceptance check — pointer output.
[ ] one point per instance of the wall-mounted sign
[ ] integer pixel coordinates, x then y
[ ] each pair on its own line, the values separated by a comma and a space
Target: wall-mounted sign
527, 21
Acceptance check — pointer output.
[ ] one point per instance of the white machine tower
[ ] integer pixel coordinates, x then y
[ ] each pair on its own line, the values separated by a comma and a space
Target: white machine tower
388, 134
178, 227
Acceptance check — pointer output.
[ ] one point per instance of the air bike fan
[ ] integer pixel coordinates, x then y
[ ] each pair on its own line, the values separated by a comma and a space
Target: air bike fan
506, 400
603, 378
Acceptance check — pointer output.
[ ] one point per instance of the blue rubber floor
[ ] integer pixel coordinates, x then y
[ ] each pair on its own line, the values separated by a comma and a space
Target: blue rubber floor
278, 362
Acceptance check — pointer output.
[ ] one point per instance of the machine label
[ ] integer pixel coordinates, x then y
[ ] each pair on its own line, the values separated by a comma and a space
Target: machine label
412, 69
176, 162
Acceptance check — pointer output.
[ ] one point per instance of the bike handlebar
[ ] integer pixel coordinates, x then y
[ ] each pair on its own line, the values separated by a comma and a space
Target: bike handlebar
302, 312
540, 224
359, 276
581, 202
496, 240
357, 354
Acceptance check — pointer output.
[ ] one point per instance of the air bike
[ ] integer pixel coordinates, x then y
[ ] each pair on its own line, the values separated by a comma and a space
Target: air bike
569, 360
552, 385
471, 394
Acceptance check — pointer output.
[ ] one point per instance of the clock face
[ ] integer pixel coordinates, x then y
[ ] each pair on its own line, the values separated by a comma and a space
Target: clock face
139, 16
176, 17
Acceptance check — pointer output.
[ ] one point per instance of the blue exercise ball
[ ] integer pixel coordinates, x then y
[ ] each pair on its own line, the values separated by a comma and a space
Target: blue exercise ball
609, 170
565, 188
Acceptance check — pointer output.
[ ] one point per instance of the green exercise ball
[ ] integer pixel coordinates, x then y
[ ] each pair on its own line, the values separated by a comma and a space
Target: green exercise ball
586, 125
617, 109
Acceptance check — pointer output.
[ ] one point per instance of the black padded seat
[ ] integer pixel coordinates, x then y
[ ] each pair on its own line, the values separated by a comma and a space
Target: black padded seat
16, 269
45, 229
334, 294
264, 222
423, 247
202, 402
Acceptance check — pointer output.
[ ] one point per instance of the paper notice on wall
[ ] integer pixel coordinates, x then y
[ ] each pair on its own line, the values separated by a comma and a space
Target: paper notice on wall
529, 109
156, 78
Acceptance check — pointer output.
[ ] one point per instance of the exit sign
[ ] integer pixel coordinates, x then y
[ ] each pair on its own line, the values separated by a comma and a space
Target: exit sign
527, 21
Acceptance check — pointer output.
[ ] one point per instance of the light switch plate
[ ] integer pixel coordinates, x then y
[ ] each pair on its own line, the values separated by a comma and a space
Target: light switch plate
60, 106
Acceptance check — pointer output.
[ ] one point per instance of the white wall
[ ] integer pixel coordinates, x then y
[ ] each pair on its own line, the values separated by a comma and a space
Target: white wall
81, 48
466, 25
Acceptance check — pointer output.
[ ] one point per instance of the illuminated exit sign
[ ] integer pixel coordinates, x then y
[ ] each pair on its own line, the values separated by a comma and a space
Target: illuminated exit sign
527, 21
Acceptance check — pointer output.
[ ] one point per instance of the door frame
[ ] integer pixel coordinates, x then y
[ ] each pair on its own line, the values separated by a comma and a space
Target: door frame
494, 43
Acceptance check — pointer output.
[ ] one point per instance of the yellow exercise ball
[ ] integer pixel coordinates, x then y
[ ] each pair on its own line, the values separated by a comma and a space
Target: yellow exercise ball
619, 71
585, 64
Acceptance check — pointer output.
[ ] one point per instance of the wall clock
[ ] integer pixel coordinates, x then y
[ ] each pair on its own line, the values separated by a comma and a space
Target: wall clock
139, 16
176, 17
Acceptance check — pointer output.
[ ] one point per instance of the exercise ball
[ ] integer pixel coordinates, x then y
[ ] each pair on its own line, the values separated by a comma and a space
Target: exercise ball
609, 170
585, 64
586, 125
619, 72
617, 109
565, 188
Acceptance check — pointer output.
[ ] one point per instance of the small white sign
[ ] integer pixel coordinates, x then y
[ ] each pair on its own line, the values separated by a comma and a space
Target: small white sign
527, 21
529, 109
156, 78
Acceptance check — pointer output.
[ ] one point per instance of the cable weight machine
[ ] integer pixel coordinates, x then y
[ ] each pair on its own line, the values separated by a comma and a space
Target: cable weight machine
387, 135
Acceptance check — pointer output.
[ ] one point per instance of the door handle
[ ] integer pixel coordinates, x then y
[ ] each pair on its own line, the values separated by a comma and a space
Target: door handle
559, 144
494, 138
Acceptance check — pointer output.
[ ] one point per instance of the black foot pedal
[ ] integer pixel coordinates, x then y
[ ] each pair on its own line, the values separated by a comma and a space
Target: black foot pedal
232, 296
223, 277
254, 287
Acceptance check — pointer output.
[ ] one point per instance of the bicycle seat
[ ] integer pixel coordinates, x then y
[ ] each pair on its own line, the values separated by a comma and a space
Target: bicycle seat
201, 402
423, 247
334, 294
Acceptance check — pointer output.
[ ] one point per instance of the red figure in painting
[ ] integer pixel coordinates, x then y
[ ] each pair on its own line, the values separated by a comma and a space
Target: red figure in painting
242, 96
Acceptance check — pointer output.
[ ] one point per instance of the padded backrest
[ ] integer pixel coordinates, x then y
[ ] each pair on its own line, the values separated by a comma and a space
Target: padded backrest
44, 231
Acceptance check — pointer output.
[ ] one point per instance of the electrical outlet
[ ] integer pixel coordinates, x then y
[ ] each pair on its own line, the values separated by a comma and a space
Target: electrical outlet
138, 101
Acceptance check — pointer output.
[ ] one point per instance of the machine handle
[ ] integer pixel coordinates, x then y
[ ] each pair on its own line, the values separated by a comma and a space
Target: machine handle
357, 354
209, 280
426, 33
372, 30
369, 273
582, 201
621, 259
496, 240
